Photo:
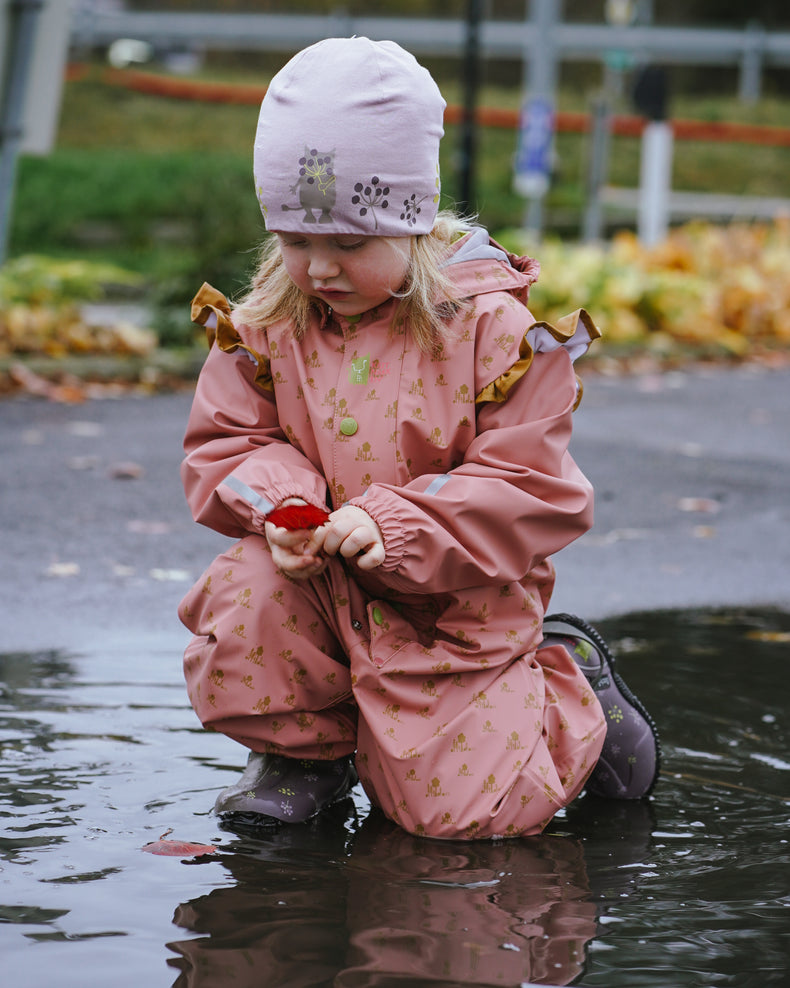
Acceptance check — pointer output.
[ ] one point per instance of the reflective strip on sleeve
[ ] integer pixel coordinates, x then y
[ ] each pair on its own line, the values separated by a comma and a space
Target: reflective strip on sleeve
258, 501
437, 484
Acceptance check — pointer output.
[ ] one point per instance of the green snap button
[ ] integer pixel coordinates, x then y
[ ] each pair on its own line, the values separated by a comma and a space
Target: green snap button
378, 617
349, 426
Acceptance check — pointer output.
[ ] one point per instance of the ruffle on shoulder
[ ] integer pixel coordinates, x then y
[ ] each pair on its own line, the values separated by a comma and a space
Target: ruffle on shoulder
574, 333
212, 310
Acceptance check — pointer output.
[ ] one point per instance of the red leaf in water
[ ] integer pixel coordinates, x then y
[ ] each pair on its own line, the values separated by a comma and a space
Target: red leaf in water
298, 516
179, 848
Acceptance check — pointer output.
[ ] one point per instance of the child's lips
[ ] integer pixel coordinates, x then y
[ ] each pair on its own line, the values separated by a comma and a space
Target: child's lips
332, 294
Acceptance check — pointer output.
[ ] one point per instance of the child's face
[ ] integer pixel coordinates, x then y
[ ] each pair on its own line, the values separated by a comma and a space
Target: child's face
350, 273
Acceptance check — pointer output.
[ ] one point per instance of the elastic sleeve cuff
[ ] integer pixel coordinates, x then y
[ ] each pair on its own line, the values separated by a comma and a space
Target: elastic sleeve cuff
387, 517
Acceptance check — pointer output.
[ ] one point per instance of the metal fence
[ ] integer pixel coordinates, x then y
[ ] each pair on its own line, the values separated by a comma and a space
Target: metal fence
751, 50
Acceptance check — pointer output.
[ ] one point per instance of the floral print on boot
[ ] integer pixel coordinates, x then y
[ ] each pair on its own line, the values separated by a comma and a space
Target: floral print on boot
275, 788
630, 760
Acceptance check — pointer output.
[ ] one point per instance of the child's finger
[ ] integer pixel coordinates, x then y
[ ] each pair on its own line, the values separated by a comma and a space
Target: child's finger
359, 540
372, 557
350, 531
287, 536
308, 568
299, 566
303, 539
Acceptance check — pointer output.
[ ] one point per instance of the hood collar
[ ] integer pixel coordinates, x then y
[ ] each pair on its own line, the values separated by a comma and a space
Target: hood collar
479, 264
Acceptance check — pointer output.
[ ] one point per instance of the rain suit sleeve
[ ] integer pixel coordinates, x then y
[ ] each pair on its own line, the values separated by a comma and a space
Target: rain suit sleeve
517, 497
239, 464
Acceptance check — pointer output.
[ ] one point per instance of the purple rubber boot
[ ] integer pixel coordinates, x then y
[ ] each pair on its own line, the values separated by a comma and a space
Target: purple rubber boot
275, 788
631, 757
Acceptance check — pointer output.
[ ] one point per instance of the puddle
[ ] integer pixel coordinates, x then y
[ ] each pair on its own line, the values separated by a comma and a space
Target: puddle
101, 755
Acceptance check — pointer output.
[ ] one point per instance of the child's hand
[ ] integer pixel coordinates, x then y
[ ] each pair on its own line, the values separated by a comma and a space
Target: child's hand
297, 552
353, 533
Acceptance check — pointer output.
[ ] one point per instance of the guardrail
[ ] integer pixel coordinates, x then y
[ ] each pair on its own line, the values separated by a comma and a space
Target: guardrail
689, 205
750, 49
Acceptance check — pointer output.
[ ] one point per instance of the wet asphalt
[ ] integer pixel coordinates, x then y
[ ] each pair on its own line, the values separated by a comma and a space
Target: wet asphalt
691, 471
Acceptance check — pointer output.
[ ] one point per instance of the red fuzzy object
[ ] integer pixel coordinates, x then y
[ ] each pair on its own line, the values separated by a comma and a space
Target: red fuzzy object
298, 516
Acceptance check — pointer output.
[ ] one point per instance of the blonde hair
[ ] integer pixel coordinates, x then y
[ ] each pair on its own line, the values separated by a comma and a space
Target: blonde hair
427, 298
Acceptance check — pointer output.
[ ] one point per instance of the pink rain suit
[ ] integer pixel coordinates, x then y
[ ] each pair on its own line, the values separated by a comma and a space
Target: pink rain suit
427, 666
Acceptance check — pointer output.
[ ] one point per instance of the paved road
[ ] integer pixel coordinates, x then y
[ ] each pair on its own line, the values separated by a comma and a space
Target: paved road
692, 473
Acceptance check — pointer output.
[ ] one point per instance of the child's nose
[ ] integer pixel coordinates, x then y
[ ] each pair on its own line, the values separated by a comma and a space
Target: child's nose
322, 266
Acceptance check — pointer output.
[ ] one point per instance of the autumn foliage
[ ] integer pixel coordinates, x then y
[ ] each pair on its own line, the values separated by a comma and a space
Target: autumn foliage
43, 309
705, 291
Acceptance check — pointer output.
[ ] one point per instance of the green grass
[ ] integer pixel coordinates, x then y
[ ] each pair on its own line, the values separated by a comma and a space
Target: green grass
164, 187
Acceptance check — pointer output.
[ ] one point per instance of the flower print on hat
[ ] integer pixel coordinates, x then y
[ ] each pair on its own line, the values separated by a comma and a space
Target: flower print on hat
348, 137
371, 197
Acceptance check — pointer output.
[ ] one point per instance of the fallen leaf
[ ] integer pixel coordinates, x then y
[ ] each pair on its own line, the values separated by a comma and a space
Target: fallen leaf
704, 505
295, 517
141, 527
121, 569
62, 569
126, 471
169, 575
616, 535
179, 848
83, 462
87, 430
775, 637
704, 532
35, 384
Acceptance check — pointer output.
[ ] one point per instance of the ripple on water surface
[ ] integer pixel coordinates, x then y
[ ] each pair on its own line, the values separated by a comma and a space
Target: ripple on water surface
101, 754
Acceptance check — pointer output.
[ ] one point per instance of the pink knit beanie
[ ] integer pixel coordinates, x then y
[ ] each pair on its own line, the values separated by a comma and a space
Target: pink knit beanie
348, 142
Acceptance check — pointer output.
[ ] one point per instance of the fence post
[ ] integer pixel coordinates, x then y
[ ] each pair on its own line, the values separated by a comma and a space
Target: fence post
536, 133
655, 182
600, 140
471, 80
20, 25
750, 79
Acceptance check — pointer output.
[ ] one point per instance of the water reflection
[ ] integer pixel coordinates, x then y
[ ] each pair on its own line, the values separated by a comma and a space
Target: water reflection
393, 909
281, 921
27, 685
712, 906
101, 754
474, 914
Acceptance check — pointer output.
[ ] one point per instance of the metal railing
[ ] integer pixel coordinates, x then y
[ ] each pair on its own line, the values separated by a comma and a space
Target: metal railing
751, 49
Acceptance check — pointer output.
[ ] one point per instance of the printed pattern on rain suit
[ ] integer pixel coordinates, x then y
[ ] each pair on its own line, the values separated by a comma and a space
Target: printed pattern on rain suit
426, 667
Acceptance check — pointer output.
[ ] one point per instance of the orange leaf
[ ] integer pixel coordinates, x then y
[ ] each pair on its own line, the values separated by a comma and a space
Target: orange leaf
179, 848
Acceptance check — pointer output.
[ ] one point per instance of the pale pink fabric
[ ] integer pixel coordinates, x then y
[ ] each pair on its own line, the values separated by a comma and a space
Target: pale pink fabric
348, 142
427, 666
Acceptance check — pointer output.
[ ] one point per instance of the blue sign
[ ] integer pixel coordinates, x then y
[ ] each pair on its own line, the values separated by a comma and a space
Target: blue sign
533, 156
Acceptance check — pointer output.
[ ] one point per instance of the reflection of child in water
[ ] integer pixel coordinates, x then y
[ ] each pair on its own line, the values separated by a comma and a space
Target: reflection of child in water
394, 910
384, 366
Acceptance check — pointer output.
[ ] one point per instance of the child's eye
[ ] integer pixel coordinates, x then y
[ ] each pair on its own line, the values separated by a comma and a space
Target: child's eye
291, 241
352, 245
